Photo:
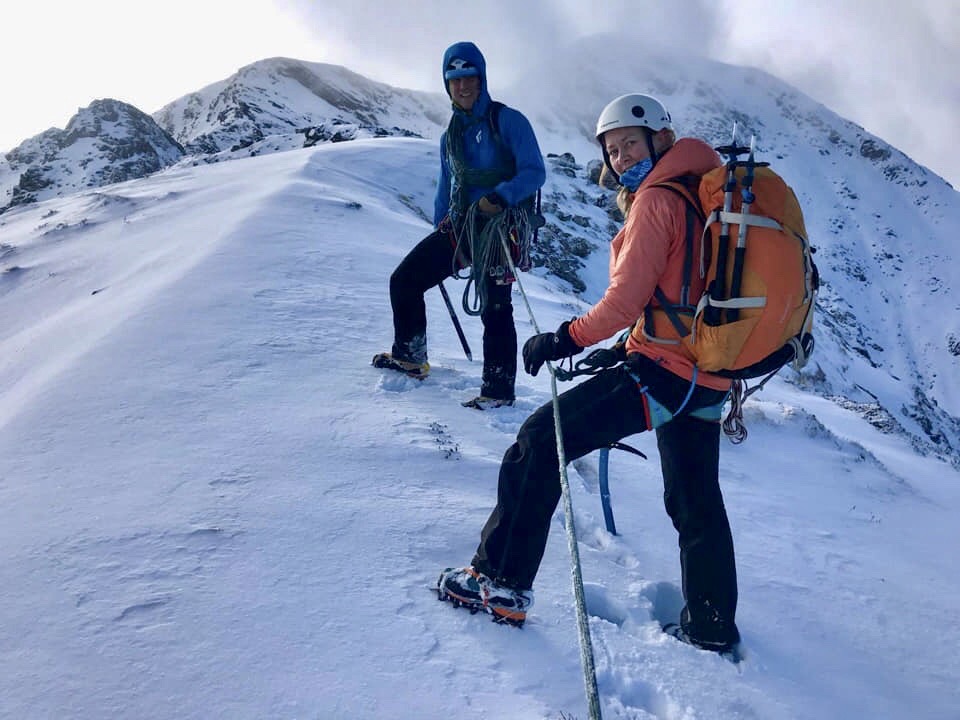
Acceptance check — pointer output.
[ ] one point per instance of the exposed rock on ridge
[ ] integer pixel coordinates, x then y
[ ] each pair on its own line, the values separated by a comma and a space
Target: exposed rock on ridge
107, 142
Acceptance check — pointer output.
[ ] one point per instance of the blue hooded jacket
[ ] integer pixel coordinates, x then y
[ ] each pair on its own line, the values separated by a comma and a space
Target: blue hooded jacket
480, 148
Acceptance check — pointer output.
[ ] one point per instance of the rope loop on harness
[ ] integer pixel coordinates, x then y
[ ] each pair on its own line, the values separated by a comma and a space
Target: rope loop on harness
733, 426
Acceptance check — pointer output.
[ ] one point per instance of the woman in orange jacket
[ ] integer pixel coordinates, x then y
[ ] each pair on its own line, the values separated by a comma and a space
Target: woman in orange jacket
656, 388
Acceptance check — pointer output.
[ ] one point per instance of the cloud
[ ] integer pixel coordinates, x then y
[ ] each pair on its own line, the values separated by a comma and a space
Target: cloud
891, 68
402, 43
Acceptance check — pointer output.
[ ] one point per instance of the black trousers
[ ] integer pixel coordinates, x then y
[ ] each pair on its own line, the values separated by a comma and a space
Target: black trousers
593, 414
424, 267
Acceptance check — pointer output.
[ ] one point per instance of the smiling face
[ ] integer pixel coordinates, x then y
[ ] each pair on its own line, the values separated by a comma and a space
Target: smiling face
464, 91
625, 147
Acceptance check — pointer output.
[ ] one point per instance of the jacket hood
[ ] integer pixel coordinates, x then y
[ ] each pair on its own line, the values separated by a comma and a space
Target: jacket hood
469, 52
688, 155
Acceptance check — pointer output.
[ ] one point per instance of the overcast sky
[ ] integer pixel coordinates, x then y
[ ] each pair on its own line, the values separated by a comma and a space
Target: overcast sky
892, 68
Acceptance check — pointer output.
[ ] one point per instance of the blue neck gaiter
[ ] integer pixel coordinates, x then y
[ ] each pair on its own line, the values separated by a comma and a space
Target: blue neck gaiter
634, 175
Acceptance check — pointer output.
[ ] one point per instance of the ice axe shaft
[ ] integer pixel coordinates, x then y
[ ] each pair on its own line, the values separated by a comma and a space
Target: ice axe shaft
456, 323
605, 482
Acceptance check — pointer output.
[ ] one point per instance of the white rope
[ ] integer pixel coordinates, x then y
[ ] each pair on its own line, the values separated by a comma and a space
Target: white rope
583, 626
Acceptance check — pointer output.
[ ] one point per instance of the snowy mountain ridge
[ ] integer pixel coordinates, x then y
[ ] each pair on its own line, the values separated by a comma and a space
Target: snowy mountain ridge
212, 506
107, 142
284, 97
883, 226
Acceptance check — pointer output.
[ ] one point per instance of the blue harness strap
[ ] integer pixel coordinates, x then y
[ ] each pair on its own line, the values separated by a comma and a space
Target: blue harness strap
660, 415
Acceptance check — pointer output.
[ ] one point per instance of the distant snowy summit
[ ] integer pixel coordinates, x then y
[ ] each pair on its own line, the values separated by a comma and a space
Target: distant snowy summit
315, 101
268, 106
107, 142
280, 104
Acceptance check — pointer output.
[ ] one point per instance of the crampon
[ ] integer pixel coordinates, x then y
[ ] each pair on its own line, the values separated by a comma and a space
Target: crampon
467, 588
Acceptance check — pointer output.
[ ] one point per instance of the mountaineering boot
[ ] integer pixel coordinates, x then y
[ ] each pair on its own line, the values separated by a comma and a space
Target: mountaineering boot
727, 649
467, 587
481, 402
386, 361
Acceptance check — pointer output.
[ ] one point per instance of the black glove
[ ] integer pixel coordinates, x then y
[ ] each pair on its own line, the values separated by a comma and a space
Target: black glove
548, 346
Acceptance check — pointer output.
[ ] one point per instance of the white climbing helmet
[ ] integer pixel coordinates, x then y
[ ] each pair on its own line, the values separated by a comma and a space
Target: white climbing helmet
633, 110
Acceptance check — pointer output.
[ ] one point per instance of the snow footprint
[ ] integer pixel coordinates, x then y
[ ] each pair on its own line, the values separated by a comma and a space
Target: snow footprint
395, 382
604, 605
664, 599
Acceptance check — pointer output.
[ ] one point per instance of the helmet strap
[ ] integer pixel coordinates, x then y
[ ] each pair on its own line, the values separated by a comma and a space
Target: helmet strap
654, 156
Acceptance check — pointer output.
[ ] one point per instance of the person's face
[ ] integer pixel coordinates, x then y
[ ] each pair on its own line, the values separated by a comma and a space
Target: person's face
625, 147
464, 91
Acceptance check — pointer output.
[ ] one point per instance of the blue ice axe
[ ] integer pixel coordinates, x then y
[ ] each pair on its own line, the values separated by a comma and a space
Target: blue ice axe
605, 482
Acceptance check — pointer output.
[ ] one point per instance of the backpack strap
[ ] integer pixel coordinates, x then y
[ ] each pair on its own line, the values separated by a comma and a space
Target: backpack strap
531, 204
494, 116
503, 150
685, 186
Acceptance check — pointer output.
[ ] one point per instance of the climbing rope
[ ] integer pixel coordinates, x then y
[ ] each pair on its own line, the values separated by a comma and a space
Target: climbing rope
492, 242
583, 626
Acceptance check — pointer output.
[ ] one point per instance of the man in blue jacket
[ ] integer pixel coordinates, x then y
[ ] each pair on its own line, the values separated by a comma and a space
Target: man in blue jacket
490, 162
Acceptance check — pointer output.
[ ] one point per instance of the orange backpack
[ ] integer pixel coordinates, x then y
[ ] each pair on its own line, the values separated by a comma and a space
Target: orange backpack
756, 313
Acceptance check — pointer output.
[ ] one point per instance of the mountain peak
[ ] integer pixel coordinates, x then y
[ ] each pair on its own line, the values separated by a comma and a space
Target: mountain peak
108, 141
284, 97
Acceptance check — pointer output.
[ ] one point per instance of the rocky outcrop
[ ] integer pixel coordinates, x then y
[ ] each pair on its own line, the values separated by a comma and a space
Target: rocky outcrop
107, 142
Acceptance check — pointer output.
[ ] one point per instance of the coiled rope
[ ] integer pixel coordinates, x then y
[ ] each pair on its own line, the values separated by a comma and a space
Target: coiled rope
490, 250
583, 626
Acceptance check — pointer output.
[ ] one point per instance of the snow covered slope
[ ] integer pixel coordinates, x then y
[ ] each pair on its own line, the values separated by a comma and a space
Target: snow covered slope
211, 506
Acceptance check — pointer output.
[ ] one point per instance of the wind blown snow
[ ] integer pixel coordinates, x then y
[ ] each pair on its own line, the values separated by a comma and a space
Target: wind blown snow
214, 507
